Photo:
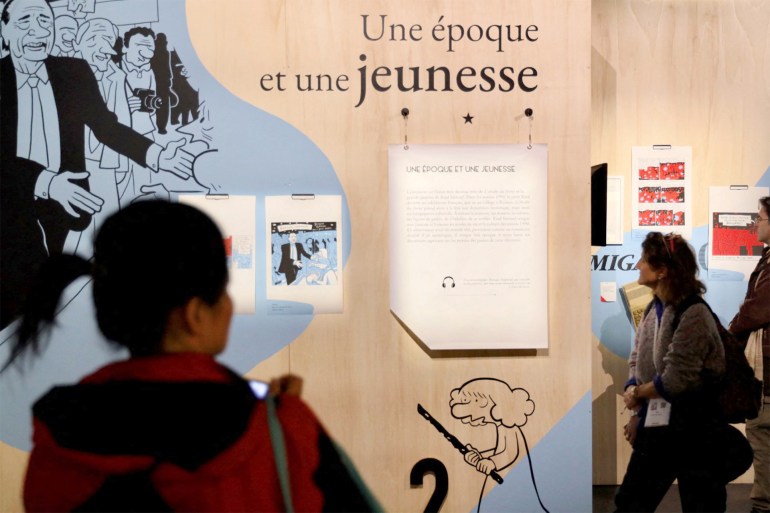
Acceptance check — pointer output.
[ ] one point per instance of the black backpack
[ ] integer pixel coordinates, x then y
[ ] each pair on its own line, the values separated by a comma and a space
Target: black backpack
740, 393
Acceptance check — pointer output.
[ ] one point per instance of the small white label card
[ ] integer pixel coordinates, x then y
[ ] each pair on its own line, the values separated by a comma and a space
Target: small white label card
658, 413
608, 291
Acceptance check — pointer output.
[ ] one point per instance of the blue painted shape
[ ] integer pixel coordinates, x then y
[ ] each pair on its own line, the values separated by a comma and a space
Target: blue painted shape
257, 154
609, 323
561, 462
765, 180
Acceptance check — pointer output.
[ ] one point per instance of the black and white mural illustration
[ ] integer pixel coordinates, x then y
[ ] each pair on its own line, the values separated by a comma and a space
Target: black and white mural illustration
103, 103
490, 402
85, 111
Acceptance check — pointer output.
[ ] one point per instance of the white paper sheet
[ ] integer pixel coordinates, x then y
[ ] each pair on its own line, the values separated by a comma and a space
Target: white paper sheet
304, 254
608, 291
733, 244
662, 193
468, 244
235, 216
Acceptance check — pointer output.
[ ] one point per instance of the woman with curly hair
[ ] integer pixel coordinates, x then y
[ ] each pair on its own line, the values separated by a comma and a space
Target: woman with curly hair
676, 427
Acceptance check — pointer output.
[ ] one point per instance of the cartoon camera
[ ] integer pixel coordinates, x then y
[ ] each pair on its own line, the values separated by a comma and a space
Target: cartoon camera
150, 101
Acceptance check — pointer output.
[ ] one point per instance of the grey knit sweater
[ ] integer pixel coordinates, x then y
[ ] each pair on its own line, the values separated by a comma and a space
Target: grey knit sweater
675, 360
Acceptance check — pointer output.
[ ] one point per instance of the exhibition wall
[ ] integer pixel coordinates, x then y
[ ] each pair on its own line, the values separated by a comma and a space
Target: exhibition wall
305, 97
674, 73
611, 75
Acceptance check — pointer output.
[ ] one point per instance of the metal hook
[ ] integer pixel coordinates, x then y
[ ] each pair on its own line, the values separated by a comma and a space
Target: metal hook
405, 114
528, 112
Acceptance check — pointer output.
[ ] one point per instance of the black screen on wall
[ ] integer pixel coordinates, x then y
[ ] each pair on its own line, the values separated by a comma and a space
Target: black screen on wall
599, 205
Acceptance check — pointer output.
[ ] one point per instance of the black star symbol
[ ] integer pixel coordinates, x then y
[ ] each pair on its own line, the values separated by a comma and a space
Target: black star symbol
468, 118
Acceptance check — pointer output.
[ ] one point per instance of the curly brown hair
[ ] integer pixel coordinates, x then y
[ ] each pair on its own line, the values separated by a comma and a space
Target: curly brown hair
673, 253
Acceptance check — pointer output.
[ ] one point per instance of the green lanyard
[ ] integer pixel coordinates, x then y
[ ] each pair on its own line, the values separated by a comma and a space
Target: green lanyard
279, 452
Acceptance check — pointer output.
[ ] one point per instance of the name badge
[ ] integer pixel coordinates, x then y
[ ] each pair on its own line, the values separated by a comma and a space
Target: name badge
658, 413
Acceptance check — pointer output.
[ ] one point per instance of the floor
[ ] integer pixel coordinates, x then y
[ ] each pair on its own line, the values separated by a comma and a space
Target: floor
737, 499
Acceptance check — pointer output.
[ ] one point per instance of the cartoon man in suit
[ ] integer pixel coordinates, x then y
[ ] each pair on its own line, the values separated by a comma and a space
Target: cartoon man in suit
291, 258
45, 105
94, 42
138, 52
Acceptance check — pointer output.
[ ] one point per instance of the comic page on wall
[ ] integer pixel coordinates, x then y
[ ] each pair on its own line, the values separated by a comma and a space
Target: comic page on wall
661, 194
235, 217
733, 246
303, 241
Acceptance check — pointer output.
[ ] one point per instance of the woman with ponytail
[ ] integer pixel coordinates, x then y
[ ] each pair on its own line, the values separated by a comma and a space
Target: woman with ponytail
169, 429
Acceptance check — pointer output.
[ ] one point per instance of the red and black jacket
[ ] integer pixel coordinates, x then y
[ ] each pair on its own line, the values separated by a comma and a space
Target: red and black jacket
178, 433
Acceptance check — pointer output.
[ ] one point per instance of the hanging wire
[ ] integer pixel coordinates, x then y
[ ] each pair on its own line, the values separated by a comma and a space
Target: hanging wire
405, 114
528, 113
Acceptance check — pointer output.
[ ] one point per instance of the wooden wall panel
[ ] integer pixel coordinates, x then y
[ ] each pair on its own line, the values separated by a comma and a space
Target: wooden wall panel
693, 73
12, 465
364, 374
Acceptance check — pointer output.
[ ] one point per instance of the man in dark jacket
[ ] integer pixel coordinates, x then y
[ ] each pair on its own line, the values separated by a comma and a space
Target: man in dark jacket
754, 316
291, 258
45, 104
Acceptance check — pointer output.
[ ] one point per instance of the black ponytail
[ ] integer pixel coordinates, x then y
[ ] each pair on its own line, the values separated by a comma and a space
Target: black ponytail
40, 306
149, 258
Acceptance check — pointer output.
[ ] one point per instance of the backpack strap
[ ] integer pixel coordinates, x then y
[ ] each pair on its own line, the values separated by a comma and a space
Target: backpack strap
648, 308
279, 452
687, 303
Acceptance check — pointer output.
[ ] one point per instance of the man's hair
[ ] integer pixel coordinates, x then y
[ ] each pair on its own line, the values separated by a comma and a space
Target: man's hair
764, 202
5, 17
94, 23
142, 31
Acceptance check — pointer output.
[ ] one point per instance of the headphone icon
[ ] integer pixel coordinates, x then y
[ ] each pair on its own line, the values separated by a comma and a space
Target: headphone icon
451, 282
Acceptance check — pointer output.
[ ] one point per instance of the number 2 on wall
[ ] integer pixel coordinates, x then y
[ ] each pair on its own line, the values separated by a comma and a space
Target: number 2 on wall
435, 467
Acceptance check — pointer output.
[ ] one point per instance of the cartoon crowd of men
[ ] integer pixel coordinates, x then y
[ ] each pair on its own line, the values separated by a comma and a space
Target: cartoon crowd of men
68, 140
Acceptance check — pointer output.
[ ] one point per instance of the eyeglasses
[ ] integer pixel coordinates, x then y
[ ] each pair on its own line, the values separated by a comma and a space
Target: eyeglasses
669, 242
760, 219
